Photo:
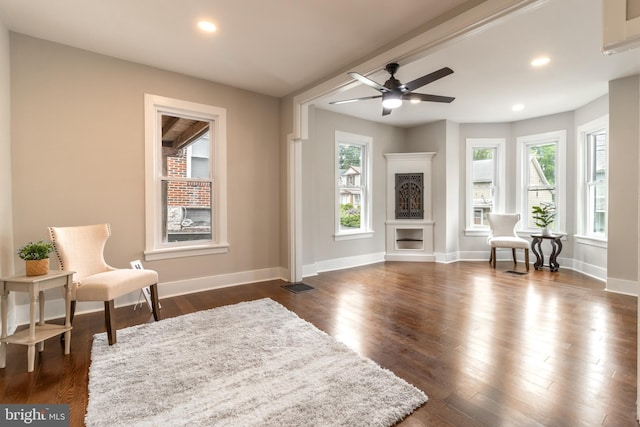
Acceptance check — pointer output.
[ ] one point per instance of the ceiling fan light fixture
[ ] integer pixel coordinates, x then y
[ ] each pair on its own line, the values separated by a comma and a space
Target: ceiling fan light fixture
540, 61
207, 26
391, 100
393, 92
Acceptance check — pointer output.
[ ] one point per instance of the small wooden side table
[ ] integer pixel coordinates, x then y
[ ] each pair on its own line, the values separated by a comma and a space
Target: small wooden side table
556, 248
37, 333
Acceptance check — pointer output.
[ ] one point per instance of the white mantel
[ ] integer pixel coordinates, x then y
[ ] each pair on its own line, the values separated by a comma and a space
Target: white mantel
409, 239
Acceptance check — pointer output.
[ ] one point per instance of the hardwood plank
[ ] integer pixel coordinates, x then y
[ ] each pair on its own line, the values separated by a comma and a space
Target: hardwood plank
488, 347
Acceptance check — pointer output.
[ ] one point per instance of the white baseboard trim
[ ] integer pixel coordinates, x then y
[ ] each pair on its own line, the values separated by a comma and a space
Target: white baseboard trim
410, 257
199, 284
590, 270
447, 258
309, 270
342, 263
622, 286
54, 309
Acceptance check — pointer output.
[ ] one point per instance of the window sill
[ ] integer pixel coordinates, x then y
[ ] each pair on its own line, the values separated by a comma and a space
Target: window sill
481, 232
598, 242
353, 235
185, 251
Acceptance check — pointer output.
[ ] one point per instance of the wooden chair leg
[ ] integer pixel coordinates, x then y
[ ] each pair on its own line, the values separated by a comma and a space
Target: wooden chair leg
513, 253
526, 258
72, 310
154, 302
110, 321
493, 257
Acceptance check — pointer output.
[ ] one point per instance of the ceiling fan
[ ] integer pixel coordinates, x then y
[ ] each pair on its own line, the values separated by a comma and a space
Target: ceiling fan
394, 92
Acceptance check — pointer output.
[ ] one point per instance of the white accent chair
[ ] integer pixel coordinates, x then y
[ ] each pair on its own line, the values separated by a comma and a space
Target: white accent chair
81, 249
503, 235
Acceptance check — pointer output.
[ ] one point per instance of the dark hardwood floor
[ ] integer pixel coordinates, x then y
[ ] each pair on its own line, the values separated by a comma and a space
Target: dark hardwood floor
489, 348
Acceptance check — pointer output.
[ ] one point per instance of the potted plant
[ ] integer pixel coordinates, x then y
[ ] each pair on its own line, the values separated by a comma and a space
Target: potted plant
36, 256
543, 215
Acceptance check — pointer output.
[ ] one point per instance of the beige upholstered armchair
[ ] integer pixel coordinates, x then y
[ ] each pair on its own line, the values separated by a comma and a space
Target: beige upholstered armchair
81, 249
503, 235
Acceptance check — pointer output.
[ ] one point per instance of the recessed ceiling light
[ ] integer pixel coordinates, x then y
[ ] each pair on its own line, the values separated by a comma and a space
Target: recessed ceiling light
518, 107
207, 26
539, 62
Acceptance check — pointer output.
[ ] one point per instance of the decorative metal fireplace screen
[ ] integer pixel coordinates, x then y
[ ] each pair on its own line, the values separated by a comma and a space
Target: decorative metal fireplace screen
409, 196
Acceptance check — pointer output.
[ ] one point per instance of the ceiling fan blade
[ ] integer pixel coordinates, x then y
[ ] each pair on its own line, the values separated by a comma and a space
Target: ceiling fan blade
345, 101
368, 82
431, 77
386, 111
427, 98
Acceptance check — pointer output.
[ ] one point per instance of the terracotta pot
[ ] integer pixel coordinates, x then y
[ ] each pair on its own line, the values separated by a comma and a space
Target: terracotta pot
37, 267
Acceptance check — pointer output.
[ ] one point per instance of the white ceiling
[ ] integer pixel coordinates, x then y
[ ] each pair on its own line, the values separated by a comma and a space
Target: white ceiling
492, 70
274, 47
278, 47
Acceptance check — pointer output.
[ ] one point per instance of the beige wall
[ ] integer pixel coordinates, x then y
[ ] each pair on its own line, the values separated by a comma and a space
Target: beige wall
286, 114
6, 226
448, 140
6, 217
432, 137
78, 155
622, 258
319, 187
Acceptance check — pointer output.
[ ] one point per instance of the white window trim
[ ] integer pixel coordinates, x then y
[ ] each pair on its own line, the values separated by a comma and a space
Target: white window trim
365, 231
560, 137
499, 194
155, 249
582, 131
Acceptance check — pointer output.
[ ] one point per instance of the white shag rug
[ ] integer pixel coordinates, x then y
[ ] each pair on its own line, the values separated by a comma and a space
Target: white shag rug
249, 364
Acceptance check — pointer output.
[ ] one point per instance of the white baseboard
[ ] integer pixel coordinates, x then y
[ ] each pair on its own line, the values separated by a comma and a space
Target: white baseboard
341, 263
622, 286
590, 270
54, 309
309, 270
182, 287
410, 257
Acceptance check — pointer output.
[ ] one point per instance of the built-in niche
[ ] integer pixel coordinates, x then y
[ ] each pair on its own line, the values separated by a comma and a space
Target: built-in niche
409, 225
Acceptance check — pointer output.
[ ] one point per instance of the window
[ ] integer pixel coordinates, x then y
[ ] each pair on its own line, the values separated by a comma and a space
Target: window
485, 181
353, 193
185, 178
592, 178
541, 176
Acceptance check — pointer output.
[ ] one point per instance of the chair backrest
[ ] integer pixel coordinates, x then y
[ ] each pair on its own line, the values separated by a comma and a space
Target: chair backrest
81, 248
503, 224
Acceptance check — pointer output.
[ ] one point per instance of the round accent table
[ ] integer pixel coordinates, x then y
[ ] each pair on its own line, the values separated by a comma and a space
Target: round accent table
536, 248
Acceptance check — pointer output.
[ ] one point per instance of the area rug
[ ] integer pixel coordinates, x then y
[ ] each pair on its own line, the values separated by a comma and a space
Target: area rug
249, 364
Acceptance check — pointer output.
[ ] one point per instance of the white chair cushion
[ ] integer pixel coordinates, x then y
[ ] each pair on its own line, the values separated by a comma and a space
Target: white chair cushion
113, 284
509, 242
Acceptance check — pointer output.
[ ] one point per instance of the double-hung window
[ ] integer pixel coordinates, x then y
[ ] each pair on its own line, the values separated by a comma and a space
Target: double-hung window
541, 176
353, 188
592, 178
485, 181
185, 190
